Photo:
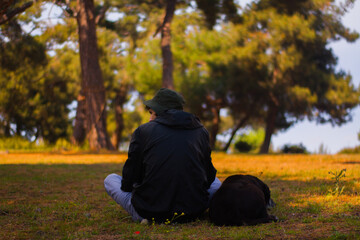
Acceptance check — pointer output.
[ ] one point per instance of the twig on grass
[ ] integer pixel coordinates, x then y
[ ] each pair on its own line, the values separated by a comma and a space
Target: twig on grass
125, 218
3, 212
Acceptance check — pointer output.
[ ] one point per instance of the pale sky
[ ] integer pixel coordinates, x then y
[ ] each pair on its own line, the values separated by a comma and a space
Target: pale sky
334, 139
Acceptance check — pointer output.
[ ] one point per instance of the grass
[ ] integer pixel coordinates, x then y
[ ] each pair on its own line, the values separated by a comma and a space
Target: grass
61, 196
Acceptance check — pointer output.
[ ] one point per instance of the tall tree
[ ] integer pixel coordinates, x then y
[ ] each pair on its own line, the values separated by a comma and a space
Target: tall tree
275, 68
91, 101
295, 69
92, 84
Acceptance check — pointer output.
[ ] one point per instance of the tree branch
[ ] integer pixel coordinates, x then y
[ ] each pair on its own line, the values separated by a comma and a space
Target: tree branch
169, 14
65, 6
7, 17
101, 14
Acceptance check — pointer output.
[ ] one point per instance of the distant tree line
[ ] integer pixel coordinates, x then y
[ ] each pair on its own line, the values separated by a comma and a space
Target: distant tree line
267, 64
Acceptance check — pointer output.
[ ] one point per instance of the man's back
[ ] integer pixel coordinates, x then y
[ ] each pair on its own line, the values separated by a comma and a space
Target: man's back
169, 167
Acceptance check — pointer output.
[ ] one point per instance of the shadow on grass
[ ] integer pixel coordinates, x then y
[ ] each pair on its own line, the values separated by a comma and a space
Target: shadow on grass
351, 162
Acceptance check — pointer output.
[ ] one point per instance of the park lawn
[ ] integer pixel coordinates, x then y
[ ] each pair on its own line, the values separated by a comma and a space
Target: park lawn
61, 196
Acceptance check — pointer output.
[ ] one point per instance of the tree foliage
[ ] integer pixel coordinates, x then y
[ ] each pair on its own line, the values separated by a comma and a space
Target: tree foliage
292, 67
268, 65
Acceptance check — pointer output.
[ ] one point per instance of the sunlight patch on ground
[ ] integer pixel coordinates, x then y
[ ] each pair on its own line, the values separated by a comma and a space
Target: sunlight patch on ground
48, 158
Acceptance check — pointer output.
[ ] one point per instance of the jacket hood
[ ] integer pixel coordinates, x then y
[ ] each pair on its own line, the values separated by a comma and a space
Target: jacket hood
178, 119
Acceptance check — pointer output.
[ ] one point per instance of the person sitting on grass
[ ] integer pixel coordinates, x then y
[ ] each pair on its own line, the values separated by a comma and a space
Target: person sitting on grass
169, 173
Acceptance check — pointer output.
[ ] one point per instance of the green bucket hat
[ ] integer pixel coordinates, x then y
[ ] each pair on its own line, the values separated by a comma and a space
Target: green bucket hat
165, 99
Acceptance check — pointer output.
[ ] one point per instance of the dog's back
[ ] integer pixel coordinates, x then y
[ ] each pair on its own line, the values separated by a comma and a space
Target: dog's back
241, 200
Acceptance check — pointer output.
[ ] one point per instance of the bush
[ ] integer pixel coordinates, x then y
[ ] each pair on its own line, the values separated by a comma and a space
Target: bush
16, 143
294, 149
354, 150
243, 146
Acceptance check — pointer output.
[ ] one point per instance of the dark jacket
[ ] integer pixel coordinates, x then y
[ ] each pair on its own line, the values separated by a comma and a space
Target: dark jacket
169, 167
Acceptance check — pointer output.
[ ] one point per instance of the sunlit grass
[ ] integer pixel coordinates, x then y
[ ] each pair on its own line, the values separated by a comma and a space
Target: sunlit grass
61, 196
66, 158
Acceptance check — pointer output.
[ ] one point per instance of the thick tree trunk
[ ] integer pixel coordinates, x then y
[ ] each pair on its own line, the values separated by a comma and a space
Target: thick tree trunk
167, 75
79, 132
92, 84
120, 100
270, 127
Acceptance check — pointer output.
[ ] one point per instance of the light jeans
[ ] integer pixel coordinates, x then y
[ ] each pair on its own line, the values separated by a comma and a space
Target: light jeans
112, 185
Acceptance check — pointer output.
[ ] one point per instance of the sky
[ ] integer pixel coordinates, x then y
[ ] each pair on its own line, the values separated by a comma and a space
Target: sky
333, 139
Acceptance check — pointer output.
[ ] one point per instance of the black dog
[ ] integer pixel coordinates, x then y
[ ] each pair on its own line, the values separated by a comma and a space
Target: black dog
241, 200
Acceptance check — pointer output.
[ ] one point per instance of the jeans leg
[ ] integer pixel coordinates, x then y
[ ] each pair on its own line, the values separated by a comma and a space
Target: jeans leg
215, 185
112, 184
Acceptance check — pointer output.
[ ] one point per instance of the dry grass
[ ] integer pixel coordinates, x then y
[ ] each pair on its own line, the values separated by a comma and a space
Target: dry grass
61, 196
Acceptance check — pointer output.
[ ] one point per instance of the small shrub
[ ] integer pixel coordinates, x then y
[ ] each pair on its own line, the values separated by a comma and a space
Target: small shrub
337, 176
243, 146
294, 149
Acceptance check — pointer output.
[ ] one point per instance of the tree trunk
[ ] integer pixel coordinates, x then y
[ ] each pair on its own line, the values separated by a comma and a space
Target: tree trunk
79, 132
270, 127
167, 75
234, 130
7, 129
120, 99
18, 128
214, 105
215, 125
92, 84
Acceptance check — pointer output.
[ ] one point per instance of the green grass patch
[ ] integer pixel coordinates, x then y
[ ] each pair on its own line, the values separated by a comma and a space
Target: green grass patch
66, 199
